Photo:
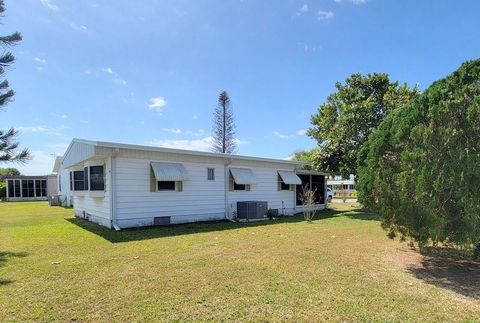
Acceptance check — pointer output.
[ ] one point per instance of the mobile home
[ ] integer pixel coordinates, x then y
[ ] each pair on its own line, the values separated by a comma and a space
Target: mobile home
122, 185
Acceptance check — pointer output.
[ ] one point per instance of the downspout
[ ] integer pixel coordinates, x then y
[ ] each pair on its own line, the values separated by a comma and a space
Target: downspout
226, 184
113, 188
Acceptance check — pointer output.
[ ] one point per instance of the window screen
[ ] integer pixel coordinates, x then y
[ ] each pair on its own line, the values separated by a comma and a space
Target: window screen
78, 184
11, 189
97, 180
211, 174
166, 185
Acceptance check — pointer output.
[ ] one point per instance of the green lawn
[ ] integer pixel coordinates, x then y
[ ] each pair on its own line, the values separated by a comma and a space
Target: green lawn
341, 267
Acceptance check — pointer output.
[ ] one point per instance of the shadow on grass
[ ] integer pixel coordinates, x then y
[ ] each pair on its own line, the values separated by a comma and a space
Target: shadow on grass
449, 268
4, 256
145, 233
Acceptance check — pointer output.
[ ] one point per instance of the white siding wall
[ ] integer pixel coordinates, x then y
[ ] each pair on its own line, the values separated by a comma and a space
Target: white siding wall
266, 189
97, 209
63, 177
200, 199
78, 152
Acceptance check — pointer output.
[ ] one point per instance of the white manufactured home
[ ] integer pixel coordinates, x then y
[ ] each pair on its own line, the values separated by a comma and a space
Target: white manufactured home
123, 185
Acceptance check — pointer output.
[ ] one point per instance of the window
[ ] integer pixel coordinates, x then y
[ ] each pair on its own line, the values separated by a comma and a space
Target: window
281, 184
44, 187
17, 188
59, 183
28, 189
97, 180
166, 186
78, 180
40, 187
85, 178
211, 174
239, 187
11, 189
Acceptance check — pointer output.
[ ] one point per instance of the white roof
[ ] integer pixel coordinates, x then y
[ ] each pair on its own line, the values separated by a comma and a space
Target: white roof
289, 177
57, 164
243, 176
169, 172
171, 150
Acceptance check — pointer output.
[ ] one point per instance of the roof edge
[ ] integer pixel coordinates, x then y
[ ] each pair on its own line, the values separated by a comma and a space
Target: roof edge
108, 144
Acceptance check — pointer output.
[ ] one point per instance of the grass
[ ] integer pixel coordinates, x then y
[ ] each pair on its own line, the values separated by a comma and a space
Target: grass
341, 267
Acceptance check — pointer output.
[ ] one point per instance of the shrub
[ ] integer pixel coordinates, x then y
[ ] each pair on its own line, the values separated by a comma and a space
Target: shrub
420, 170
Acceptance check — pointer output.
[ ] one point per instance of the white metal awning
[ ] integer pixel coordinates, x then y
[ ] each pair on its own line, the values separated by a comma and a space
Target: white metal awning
289, 177
243, 176
169, 172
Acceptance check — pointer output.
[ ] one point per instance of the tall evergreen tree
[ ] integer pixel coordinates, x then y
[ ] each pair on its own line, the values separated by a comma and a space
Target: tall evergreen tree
224, 126
8, 142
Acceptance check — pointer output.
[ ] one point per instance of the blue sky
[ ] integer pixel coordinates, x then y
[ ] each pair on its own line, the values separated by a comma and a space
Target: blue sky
150, 71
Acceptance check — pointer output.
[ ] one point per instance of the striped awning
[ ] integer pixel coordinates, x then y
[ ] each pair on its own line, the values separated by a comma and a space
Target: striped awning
169, 172
243, 176
289, 177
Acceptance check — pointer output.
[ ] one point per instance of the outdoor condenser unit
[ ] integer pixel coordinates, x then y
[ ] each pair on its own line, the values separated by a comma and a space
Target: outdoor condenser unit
250, 210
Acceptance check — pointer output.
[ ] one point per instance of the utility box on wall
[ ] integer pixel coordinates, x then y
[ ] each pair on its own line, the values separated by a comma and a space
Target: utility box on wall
250, 210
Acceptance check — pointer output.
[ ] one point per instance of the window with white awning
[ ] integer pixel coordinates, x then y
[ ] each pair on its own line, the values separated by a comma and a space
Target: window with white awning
287, 180
241, 179
167, 176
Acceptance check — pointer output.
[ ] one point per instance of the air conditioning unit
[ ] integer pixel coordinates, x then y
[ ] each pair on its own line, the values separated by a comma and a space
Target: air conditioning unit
251, 210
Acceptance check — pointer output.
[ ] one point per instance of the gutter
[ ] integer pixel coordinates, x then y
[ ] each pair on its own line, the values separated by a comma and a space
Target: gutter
113, 190
228, 162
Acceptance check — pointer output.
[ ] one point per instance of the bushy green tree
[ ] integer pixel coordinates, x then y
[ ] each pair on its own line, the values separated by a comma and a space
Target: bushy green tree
309, 157
344, 122
420, 170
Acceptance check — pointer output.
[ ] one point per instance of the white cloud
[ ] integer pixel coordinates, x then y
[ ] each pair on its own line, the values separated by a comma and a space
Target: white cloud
324, 15
195, 117
309, 48
48, 4
56, 131
157, 103
108, 70
41, 163
280, 135
303, 9
301, 132
116, 78
173, 130
203, 144
40, 60
177, 131
58, 148
78, 27
197, 133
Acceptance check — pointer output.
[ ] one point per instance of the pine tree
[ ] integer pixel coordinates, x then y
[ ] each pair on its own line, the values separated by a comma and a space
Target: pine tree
8, 143
224, 126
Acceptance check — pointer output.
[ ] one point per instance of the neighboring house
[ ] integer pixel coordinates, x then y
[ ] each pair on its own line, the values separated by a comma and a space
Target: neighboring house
122, 185
30, 188
337, 184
